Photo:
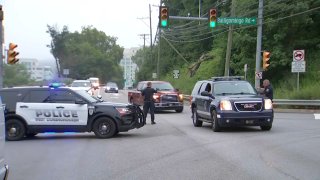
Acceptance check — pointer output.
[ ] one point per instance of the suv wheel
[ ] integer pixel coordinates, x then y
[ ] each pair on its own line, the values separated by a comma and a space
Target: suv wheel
104, 128
215, 123
195, 120
179, 110
266, 128
15, 130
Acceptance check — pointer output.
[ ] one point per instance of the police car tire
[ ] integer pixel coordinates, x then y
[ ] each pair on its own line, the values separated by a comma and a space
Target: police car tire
104, 121
21, 129
31, 134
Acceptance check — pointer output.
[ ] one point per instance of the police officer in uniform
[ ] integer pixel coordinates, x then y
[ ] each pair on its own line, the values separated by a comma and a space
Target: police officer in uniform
147, 93
268, 90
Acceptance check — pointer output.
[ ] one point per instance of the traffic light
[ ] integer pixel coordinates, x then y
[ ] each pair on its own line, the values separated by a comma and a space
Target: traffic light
265, 60
164, 16
212, 17
12, 54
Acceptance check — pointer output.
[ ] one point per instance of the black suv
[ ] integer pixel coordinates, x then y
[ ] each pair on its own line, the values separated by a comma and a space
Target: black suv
229, 101
33, 110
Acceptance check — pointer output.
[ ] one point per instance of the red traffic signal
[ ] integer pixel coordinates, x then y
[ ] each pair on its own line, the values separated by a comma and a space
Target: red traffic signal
212, 17
163, 16
265, 60
12, 54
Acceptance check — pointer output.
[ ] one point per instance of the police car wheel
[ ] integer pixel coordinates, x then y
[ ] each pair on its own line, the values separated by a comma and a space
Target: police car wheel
104, 128
31, 134
15, 130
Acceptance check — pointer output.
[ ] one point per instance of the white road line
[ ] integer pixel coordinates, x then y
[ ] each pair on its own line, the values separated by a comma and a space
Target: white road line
316, 116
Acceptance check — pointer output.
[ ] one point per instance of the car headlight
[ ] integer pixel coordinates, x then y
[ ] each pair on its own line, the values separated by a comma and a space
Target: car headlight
181, 97
225, 105
123, 111
267, 104
108, 88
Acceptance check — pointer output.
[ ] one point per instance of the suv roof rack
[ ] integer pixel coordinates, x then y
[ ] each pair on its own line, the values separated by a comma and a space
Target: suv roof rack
227, 78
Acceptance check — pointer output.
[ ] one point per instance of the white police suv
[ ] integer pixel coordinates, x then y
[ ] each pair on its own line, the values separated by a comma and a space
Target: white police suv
32, 110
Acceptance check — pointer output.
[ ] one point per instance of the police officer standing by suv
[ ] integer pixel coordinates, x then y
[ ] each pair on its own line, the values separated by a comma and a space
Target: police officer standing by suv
147, 93
268, 90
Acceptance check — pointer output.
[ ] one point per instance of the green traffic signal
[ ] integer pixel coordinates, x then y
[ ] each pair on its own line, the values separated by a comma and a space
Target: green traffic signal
163, 16
212, 24
164, 23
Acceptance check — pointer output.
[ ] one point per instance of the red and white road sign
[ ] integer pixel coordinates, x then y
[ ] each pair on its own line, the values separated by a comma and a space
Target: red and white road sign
298, 55
258, 75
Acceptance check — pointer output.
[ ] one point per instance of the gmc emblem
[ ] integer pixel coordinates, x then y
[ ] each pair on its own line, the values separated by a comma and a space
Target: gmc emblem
248, 106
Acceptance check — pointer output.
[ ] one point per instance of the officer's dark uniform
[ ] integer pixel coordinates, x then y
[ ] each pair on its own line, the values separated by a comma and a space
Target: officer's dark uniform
148, 102
268, 92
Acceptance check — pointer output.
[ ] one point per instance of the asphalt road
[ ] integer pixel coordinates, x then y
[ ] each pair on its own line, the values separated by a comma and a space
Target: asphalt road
174, 149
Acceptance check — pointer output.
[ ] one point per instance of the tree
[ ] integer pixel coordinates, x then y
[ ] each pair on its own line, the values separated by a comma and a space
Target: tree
16, 75
89, 53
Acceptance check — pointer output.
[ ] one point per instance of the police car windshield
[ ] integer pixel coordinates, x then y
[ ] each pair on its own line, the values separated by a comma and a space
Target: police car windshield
233, 88
86, 95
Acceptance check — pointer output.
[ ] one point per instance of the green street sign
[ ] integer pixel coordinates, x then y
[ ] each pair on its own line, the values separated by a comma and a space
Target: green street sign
237, 20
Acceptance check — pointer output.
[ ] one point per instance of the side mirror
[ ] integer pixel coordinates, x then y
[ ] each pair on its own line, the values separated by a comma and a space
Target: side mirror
176, 90
99, 96
206, 93
80, 101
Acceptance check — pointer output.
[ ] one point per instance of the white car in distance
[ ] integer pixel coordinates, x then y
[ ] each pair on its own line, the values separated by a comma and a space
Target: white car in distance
83, 85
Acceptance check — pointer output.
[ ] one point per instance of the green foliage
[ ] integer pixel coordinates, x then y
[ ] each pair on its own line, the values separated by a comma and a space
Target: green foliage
16, 75
89, 53
283, 31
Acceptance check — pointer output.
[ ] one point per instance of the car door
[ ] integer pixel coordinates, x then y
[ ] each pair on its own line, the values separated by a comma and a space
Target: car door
203, 102
57, 107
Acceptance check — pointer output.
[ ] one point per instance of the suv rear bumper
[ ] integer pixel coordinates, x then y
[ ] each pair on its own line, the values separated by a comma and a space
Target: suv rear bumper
264, 118
168, 106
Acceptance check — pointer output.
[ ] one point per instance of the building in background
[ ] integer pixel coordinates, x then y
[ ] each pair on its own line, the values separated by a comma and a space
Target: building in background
129, 68
37, 71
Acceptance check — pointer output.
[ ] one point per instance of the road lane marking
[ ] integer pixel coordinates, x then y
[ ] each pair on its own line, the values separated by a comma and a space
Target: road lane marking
316, 116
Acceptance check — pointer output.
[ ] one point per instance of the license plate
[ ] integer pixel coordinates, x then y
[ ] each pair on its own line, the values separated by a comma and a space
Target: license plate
170, 104
249, 121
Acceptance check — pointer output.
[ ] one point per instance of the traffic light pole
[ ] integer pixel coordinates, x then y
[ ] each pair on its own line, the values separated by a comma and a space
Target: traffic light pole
1, 48
259, 42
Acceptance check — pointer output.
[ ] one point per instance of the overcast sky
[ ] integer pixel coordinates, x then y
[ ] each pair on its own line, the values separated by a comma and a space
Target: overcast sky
25, 21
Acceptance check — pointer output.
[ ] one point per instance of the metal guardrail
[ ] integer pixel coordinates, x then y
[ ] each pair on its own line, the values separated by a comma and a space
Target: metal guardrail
297, 102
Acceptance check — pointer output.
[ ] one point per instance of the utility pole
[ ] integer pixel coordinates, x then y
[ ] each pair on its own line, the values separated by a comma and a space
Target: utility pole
1, 48
158, 62
229, 45
259, 42
144, 46
144, 39
150, 27
200, 8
